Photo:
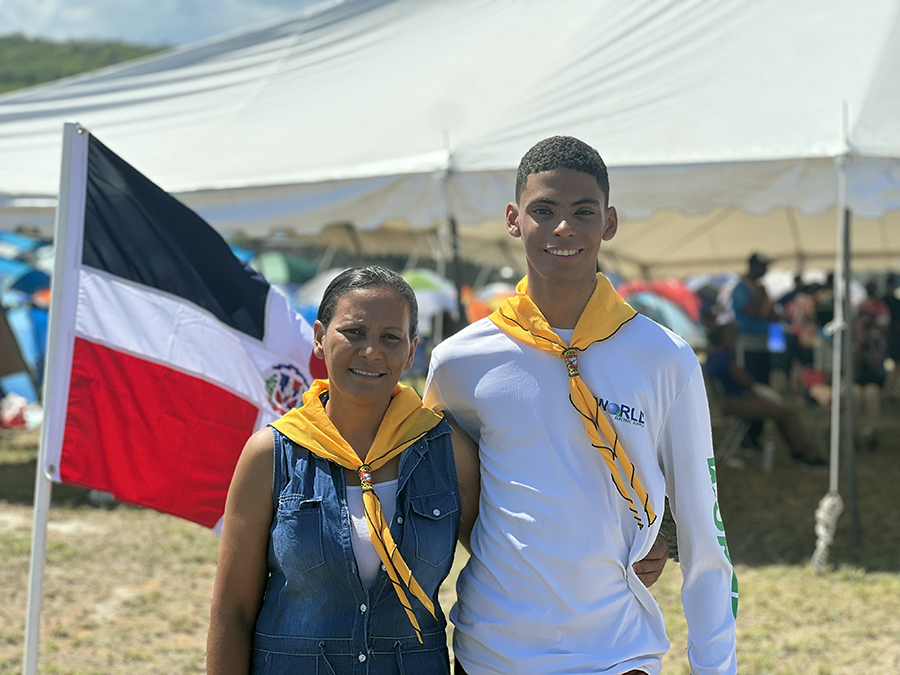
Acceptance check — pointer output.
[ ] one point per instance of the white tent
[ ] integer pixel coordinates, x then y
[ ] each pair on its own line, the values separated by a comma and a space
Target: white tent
394, 114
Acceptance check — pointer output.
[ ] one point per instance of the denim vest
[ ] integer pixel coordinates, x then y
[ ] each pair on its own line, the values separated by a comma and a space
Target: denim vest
317, 617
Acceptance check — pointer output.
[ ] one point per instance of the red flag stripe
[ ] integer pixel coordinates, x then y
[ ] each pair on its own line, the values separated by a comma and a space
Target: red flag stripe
172, 447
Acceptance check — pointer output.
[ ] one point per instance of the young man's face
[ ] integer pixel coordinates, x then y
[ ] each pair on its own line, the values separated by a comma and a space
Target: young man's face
562, 218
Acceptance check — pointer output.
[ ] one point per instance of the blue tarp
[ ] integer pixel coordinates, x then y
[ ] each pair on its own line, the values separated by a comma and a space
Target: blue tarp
18, 281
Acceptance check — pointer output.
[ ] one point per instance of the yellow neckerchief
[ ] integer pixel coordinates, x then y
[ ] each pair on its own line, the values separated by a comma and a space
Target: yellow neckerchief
604, 314
405, 422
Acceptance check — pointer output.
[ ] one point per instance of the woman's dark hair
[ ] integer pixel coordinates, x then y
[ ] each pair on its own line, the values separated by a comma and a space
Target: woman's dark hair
368, 277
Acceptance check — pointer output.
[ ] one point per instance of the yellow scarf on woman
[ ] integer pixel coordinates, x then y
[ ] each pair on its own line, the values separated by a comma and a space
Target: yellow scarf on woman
405, 422
604, 314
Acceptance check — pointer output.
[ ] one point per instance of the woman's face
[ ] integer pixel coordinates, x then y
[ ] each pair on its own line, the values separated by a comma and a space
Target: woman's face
366, 345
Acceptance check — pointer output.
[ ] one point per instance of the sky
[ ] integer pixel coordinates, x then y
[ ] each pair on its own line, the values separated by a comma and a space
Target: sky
148, 22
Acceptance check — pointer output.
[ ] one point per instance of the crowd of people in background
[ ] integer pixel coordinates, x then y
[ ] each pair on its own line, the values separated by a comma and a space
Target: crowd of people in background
753, 333
743, 323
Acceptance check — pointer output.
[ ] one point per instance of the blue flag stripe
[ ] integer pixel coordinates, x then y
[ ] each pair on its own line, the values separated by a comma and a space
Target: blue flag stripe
135, 230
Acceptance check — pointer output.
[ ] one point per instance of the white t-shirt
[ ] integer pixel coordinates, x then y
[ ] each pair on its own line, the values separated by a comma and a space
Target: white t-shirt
550, 586
367, 561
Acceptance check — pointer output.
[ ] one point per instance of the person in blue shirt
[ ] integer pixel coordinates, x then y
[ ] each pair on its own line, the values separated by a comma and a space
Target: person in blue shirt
753, 312
747, 399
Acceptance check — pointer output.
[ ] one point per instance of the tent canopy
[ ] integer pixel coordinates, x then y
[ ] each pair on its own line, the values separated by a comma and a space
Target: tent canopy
720, 122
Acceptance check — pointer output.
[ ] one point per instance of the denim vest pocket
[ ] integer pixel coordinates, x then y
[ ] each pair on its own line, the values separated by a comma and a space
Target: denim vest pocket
434, 520
298, 544
434, 661
269, 663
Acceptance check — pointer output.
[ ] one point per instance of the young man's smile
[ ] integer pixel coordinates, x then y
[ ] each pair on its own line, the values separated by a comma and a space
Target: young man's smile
563, 252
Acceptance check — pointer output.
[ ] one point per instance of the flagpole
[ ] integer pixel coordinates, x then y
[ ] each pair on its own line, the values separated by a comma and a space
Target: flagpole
68, 246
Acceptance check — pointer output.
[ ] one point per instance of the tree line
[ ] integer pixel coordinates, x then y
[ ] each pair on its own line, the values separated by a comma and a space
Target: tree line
25, 62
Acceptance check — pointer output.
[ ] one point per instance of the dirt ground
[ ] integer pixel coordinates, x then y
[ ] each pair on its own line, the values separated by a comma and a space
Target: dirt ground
127, 590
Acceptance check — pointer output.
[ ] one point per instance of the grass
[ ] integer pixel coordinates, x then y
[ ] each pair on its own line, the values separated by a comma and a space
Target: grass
127, 590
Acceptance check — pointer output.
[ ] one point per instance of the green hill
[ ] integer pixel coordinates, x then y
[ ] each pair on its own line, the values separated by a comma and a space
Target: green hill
25, 62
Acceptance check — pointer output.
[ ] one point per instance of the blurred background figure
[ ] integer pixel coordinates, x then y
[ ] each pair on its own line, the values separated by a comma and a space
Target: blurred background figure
891, 298
753, 312
747, 399
803, 338
870, 349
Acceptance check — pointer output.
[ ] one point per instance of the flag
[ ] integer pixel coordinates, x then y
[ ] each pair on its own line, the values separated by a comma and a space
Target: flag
167, 351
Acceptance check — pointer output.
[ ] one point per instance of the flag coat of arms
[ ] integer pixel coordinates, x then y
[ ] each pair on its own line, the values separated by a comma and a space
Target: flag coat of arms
167, 352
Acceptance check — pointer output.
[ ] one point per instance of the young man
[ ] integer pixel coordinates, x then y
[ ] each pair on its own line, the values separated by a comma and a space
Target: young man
587, 416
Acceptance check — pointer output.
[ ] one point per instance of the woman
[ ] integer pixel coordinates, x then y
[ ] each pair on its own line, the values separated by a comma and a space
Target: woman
337, 562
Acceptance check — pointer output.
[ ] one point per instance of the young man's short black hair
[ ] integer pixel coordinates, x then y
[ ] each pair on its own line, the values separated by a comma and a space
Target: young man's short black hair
562, 152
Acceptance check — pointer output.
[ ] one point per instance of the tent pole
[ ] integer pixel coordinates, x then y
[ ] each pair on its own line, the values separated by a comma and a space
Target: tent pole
831, 505
450, 241
437, 332
849, 379
457, 271
839, 324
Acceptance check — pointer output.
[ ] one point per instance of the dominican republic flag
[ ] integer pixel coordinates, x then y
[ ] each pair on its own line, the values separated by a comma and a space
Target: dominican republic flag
166, 352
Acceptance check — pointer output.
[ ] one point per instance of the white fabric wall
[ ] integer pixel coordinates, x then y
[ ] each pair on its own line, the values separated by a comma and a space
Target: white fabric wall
362, 111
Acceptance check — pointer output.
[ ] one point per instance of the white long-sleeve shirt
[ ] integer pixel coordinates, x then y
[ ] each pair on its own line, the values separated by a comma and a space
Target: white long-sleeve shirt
550, 587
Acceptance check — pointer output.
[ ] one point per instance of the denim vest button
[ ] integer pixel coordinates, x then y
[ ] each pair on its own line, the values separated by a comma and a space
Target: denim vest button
437, 512
361, 657
400, 519
363, 608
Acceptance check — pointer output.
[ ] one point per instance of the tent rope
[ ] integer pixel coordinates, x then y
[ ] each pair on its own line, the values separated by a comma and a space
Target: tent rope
830, 508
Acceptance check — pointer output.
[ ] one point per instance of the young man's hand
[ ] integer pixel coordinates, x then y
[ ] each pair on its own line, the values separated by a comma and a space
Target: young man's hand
649, 569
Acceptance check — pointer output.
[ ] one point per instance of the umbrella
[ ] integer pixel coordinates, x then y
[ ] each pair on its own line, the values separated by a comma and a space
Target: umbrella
672, 289
310, 294
14, 245
30, 282
11, 270
19, 275
666, 313
435, 295
486, 299
245, 255
307, 298
280, 267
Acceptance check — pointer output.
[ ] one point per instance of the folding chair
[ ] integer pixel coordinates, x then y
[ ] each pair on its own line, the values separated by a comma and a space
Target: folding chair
726, 449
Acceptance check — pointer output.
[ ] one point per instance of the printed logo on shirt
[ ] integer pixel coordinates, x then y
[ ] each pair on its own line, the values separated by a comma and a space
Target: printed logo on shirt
622, 412
720, 526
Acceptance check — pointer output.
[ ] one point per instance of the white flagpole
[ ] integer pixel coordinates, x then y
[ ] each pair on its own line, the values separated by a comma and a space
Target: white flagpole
68, 242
